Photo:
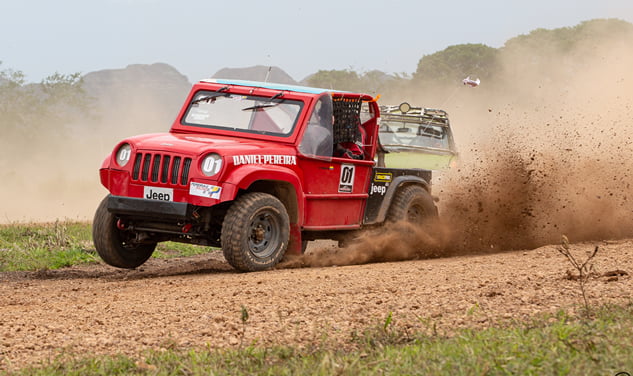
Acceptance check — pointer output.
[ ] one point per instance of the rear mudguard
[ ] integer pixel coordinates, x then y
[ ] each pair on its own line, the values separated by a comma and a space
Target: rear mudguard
384, 185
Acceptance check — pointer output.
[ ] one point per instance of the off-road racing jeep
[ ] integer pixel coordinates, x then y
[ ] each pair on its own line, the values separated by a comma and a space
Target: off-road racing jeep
257, 169
416, 137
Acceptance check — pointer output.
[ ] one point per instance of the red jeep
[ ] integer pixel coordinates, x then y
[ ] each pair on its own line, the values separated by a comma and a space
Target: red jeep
257, 169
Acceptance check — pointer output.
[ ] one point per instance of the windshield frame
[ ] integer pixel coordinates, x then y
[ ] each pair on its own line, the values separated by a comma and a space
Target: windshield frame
253, 103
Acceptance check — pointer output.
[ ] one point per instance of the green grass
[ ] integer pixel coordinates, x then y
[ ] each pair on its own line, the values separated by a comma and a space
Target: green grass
45, 246
174, 249
549, 345
42, 246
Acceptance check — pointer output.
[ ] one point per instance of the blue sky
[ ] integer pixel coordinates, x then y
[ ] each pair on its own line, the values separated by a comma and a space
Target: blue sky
40, 37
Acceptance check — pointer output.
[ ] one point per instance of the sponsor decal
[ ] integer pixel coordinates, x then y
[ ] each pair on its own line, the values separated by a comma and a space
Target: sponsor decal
264, 159
205, 190
346, 182
160, 194
380, 189
198, 114
381, 177
328, 168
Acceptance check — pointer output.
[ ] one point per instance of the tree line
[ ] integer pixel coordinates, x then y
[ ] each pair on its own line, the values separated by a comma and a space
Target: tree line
449, 66
27, 109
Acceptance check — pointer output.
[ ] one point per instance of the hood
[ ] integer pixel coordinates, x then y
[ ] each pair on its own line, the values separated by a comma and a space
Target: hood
197, 144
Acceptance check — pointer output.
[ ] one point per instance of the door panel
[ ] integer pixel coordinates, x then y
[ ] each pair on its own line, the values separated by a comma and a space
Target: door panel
336, 192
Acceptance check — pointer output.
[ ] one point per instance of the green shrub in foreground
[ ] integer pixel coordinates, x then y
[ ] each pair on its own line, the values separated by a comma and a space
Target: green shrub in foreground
553, 345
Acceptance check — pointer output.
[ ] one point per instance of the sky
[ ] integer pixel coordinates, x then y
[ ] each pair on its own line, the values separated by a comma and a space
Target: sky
198, 38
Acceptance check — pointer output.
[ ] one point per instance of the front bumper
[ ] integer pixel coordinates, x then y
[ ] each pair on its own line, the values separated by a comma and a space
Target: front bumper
140, 207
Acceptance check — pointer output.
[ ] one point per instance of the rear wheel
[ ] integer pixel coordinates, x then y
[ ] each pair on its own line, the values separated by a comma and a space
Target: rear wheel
255, 232
117, 247
414, 204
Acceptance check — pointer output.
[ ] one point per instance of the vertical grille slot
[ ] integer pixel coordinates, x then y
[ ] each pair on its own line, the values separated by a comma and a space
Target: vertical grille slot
156, 167
146, 162
137, 166
185, 171
164, 172
175, 169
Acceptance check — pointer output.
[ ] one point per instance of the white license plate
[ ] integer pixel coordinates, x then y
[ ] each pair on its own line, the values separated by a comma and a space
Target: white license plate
160, 194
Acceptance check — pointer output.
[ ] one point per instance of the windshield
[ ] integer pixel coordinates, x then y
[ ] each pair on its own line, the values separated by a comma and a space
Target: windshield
398, 133
243, 113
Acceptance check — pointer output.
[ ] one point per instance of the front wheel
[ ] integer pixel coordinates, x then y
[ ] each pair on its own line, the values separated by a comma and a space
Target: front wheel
117, 247
255, 232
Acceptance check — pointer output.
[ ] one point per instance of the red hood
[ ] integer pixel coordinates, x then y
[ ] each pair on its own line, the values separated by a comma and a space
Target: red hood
198, 144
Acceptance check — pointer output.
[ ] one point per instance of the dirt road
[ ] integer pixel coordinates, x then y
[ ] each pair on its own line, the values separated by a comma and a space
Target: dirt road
198, 301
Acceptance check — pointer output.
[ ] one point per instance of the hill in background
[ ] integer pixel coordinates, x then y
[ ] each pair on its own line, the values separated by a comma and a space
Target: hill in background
257, 73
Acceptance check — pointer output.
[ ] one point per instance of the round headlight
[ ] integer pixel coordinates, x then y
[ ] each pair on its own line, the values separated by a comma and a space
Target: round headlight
123, 154
211, 164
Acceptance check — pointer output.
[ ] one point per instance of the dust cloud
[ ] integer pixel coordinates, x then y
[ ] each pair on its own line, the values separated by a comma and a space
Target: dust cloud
53, 173
550, 156
545, 151
392, 242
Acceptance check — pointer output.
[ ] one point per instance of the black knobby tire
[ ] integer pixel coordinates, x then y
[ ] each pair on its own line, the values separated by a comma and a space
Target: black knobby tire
255, 232
414, 204
111, 244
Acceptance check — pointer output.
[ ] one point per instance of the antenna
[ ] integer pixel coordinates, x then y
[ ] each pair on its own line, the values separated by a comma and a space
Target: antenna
268, 73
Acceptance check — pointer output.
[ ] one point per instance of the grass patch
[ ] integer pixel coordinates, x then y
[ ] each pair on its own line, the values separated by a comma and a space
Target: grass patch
553, 345
168, 250
44, 246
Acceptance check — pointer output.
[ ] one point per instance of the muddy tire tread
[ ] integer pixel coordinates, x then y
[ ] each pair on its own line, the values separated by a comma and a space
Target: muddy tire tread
404, 198
235, 232
108, 245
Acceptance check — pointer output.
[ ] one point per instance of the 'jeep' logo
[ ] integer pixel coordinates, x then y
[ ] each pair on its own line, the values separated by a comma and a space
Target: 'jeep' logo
161, 194
380, 189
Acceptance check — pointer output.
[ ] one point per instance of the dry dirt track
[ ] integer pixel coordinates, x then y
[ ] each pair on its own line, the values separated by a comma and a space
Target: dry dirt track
198, 301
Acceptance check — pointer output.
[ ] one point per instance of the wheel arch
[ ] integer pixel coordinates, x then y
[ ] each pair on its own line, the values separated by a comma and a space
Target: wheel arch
278, 181
283, 190
397, 184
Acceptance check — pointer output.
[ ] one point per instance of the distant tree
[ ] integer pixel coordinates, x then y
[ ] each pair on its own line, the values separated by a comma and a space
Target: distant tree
455, 63
378, 82
372, 82
562, 53
64, 98
335, 80
26, 109
12, 99
544, 41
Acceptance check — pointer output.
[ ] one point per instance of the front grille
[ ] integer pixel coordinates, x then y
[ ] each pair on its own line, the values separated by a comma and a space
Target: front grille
163, 168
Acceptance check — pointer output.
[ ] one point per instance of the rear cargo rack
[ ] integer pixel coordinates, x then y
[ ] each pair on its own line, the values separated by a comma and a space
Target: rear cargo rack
415, 114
